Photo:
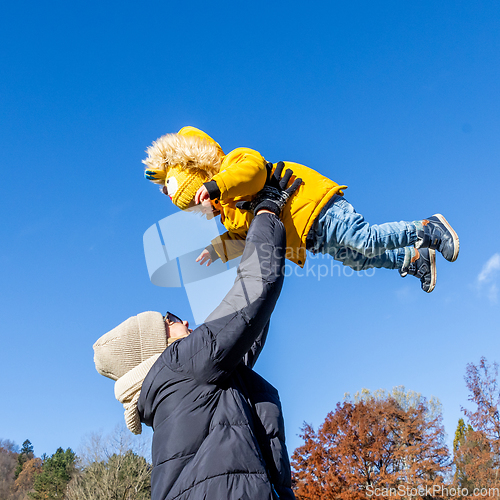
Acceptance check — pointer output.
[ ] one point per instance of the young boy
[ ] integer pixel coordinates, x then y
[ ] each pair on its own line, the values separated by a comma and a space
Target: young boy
196, 174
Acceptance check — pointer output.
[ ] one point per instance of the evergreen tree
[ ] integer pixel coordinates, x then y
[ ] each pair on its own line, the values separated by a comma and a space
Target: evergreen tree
56, 473
460, 443
27, 448
26, 453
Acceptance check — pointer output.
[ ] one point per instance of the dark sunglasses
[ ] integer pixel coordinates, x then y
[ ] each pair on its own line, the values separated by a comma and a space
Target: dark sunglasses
172, 318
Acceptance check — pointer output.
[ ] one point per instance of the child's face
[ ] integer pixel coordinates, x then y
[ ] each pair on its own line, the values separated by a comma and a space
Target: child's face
205, 208
170, 187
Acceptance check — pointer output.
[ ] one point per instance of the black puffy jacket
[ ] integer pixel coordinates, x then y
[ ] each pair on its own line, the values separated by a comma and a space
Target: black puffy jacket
218, 425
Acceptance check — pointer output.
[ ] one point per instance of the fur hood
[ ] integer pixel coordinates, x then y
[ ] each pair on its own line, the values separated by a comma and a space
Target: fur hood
190, 149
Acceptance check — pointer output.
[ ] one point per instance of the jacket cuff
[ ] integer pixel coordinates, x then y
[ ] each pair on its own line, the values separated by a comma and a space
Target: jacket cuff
213, 254
213, 190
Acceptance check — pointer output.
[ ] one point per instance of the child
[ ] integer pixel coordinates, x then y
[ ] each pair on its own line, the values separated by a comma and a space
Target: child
195, 173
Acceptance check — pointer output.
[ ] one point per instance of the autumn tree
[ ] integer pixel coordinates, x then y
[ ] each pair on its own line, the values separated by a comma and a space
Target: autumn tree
482, 382
24, 483
405, 399
369, 444
8, 464
477, 446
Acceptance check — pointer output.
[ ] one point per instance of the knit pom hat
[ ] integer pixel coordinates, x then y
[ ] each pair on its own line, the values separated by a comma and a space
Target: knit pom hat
183, 162
126, 354
182, 185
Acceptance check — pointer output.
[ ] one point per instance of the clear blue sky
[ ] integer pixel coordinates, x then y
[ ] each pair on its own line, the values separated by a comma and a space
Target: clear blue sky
398, 100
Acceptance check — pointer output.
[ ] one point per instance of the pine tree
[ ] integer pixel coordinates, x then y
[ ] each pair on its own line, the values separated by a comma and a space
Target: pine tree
26, 453
56, 473
461, 442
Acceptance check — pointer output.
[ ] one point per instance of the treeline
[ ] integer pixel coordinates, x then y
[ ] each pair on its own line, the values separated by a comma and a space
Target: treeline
372, 445
108, 468
391, 445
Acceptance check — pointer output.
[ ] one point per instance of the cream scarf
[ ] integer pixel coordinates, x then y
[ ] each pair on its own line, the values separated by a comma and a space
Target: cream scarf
128, 390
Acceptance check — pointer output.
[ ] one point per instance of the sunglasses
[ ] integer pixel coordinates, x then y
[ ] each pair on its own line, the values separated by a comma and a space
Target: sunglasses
172, 318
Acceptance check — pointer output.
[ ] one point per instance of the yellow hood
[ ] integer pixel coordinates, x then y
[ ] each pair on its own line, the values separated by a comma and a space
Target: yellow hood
191, 150
196, 132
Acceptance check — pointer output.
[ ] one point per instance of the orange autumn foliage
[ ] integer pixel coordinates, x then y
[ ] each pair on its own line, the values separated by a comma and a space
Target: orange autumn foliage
25, 480
370, 445
477, 451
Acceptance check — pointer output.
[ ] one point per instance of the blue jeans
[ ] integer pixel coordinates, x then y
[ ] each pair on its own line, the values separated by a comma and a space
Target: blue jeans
348, 238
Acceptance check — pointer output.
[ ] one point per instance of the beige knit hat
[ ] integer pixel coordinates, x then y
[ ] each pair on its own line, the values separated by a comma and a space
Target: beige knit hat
126, 354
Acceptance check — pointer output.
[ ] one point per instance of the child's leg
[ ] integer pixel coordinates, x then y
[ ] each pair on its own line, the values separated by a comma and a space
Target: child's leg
436, 233
391, 259
339, 226
421, 264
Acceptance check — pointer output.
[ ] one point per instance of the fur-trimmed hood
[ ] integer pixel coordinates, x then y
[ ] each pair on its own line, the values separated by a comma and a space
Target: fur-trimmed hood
191, 149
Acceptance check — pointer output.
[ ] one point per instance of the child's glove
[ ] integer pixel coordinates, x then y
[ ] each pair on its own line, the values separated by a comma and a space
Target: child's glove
274, 195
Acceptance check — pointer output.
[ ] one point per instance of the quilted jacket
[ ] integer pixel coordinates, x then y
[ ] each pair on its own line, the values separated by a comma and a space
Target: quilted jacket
218, 425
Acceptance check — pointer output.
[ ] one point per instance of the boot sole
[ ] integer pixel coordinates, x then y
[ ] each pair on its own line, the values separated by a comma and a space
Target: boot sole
432, 262
456, 241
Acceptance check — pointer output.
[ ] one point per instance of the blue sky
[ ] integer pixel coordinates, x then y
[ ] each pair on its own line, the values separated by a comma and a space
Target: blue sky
398, 100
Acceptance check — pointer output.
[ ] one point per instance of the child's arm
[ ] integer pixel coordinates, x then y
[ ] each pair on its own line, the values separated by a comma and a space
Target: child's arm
243, 173
207, 256
228, 246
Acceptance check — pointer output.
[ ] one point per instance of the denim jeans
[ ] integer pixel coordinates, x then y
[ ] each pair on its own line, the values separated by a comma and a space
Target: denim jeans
348, 238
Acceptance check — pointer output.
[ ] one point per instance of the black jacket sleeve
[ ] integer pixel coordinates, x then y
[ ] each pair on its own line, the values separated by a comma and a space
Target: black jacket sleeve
238, 326
253, 354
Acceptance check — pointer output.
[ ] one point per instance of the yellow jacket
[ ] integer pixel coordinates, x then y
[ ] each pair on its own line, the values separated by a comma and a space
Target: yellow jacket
242, 175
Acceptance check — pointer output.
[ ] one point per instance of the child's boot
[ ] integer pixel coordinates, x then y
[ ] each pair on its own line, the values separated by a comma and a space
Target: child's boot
423, 266
436, 233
